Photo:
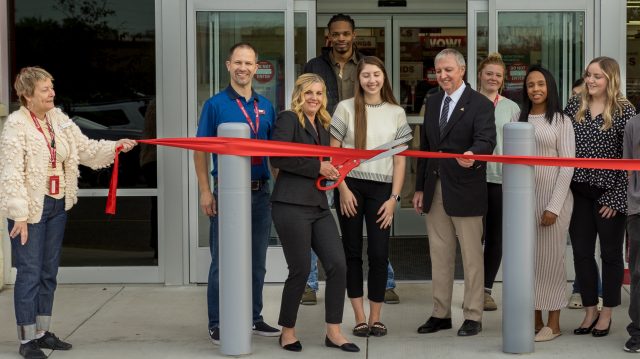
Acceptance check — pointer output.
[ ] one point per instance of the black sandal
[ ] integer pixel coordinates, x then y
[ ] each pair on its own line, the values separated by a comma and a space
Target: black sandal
361, 330
378, 329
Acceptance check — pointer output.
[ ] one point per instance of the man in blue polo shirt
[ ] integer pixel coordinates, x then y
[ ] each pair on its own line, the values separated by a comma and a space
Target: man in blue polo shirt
238, 103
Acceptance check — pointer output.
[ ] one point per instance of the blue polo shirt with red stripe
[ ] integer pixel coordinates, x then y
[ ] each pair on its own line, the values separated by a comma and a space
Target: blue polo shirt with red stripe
223, 108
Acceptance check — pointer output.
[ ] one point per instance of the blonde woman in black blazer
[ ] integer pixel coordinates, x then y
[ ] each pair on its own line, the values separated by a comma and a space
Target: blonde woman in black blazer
302, 217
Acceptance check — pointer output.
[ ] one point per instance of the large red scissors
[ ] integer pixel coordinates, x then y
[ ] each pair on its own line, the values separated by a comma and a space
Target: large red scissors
345, 165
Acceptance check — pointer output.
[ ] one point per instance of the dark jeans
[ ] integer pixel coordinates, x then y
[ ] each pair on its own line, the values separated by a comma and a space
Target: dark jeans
587, 224
493, 234
260, 230
300, 229
37, 266
633, 228
370, 195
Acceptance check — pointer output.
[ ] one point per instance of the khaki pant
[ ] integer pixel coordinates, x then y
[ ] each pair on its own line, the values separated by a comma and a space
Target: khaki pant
442, 230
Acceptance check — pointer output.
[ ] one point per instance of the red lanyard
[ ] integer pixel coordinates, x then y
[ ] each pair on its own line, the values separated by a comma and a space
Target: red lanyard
52, 145
495, 102
246, 115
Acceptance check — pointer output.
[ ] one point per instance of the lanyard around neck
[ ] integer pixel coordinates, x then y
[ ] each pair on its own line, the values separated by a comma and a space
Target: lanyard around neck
51, 146
246, 115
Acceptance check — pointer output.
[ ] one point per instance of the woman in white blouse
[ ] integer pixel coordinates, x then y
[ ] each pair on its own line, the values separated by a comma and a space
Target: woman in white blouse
371, 191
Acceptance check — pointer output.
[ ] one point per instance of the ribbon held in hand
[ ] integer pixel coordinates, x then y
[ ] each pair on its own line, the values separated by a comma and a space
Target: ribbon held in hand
253, 147
113, 185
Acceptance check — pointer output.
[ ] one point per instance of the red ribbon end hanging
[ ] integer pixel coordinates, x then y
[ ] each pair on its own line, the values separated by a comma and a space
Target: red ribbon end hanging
113, 185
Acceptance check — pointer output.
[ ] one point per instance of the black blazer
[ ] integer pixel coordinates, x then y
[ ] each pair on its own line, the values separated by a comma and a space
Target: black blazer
471, 127
296, 181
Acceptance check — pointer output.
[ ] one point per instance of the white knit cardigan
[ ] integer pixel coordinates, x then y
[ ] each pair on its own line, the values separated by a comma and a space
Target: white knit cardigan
24, 159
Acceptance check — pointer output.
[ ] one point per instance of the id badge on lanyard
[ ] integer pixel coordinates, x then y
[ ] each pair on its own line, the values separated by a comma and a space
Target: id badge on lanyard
54, 185
255, 161
54, 181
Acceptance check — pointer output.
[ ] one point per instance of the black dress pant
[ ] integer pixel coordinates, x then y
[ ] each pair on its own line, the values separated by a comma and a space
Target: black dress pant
633, 228
587, 224
302, 228
493, 234
370, 195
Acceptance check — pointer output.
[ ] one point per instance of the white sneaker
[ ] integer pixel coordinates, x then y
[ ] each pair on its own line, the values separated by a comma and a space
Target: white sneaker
575, 301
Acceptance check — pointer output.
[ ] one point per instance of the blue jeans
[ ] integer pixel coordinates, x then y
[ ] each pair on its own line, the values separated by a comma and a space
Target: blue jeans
260, 231
37, 266
312, 281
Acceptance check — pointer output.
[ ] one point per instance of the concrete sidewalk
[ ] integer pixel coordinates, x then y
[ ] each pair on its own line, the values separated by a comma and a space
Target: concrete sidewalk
147, 321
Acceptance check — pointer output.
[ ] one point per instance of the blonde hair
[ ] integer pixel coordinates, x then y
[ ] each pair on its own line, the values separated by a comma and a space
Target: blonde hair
303, 83
26, 81
493, 58
615, 101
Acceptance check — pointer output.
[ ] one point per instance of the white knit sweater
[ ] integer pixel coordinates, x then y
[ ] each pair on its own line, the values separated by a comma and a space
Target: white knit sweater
24, 158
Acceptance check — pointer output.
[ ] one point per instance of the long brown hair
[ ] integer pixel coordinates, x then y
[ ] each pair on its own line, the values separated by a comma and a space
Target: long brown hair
386, 93
615, 101
303, 83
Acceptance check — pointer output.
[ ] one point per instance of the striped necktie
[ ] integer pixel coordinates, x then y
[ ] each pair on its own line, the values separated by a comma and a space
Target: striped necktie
444, 114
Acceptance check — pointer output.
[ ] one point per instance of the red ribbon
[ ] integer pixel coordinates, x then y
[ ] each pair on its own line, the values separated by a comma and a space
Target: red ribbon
113, 185
253, 147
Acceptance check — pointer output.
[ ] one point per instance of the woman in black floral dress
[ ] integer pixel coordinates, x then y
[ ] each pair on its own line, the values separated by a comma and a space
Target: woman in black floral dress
599, 116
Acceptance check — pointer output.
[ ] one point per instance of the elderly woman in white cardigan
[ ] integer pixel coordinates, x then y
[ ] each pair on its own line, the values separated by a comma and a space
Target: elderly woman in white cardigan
40, 150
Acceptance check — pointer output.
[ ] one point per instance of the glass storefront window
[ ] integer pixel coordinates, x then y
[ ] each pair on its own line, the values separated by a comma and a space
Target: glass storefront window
482, 36
102, 57
633, 53
369, 41
418, 48
93, 238
216, 32
300, 40
553, 39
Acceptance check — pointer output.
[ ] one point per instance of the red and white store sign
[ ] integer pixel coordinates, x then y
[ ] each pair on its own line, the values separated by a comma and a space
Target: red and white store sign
265, 71
516, 73
431, 76
444, 41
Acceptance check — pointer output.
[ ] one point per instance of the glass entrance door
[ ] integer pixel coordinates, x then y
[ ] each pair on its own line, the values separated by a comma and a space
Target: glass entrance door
407, 44
560, 38
417, 40
279, 34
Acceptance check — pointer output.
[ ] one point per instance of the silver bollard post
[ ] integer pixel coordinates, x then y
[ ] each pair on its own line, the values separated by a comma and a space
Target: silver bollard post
234, 211
518, 241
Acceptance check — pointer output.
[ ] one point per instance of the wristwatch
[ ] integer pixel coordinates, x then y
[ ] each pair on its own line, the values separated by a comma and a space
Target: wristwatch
396, 197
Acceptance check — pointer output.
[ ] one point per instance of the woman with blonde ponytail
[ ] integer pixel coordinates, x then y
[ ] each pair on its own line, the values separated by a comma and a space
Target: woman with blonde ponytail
599, 116
491, 73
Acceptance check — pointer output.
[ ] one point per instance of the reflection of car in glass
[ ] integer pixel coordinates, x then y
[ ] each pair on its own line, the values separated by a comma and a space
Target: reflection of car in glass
111, 121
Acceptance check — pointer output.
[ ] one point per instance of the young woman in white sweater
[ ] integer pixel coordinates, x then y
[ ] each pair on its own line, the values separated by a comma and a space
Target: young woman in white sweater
371, 191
